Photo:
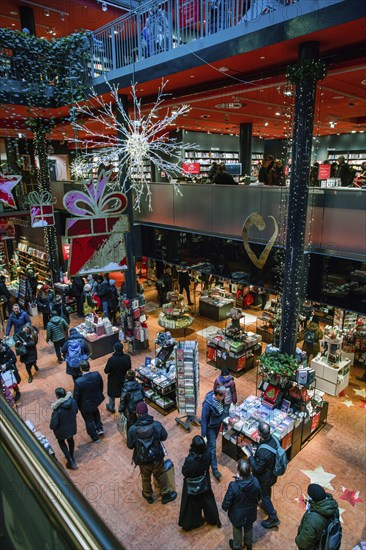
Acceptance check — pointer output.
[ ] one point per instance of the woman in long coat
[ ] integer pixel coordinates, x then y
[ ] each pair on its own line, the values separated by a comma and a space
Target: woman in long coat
196, 464
27, 340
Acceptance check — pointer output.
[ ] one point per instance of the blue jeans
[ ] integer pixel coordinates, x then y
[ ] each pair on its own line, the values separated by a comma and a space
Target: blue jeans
267, 502
105, 309
212, 434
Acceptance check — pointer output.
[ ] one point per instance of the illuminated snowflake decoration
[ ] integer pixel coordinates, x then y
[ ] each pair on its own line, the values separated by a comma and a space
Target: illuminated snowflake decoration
130, 143
80, 168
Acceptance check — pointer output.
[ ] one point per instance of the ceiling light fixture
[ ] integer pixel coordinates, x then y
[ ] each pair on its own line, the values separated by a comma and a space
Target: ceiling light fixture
47, 9
224, 69
277, 113
46, 13
104, 7
266, 123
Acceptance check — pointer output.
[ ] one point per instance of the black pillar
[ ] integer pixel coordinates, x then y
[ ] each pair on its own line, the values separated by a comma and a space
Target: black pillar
130, 273
245, 147
27, 19
295, 265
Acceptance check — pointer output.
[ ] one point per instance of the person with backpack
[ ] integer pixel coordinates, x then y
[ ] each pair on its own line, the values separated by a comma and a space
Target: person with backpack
320, 526
211, 419
241, 501
132, 394
88, 394
145, 439
263, 465
225, 379
63, 424
75, 350
26, 346
116, 368
313, 335
57, 330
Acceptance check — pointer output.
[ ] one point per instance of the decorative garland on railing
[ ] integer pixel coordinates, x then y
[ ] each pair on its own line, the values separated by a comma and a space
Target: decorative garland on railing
306, 70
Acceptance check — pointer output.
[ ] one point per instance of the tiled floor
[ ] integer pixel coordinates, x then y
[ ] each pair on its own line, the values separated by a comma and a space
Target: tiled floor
111, 483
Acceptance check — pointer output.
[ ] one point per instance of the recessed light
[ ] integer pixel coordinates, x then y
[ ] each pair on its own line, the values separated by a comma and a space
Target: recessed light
353, 131
338, 97
362, 131
13, 24
13, 13
262, 57
363, 82
224, 69
191, 76
277, 113
266, 123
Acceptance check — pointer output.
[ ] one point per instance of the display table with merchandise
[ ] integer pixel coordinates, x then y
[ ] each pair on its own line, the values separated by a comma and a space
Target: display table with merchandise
175, 314
331, 378
215, 307
159, 385
98, 341
234, 354
293, 429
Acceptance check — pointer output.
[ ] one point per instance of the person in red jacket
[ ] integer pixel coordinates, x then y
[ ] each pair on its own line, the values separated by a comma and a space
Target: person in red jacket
225, 379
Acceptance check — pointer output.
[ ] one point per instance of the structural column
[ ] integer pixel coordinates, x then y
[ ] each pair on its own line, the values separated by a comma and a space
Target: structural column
130, 273
295, 272
245, 147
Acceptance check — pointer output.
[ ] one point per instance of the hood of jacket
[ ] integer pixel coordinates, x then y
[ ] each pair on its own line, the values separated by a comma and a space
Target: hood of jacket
225, 379
312, 326
144, 420
326, 507
212, 401
131, 385
65, 401
77, 336
248, 485
55, 320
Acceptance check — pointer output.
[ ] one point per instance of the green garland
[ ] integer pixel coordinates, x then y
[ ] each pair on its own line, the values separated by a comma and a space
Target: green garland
306, 70
48, 71
278, 363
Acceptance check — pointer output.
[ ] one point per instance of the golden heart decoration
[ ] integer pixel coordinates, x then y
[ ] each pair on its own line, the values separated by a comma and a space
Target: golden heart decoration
257, 219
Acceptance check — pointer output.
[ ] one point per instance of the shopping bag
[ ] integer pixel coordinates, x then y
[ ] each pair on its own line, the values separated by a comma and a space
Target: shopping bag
170, 474
32, 309
9, 378
122, 425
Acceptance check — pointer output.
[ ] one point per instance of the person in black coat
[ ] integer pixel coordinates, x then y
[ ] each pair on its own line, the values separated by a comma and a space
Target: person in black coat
74, 335
116, 368
240, 501
102, 292
88, 394
61, 308
26, 341
113, 301
8, 363
63, 424
77, 287
45, 301
132, 393
5, 293
223, 177
263, 463
196, 464
184, 280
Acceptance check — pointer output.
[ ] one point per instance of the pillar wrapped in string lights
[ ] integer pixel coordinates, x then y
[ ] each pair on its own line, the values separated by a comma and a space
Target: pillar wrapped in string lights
304, 75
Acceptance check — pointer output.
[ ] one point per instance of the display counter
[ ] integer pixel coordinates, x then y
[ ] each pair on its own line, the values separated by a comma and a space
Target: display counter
159, 386
216, 309
100, 337
331, 378
102, 345
236, 355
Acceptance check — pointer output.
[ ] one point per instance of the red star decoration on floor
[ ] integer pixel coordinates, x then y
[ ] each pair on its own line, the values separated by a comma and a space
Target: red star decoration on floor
351, 496
363, 404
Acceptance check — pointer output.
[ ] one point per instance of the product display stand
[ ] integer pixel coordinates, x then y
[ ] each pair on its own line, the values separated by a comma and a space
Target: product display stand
186, 359
175, 314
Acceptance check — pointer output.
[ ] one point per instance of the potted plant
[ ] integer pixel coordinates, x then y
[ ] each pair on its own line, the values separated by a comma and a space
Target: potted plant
277, 367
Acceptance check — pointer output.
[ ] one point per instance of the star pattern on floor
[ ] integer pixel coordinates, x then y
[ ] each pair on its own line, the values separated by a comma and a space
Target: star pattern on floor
341, 510
363, 404
301, 502
348, 403
320, 476
351, 496
361, 393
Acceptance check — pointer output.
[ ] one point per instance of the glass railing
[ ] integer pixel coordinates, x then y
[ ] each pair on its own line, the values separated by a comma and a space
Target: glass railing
40, 507
157, 27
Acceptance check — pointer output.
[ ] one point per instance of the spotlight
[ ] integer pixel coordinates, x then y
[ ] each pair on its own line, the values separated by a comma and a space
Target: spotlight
47, 13
266, 123
62, 17
104, 7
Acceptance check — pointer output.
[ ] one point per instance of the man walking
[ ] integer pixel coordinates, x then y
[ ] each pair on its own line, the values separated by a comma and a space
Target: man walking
116, 368
241, 502
145, 437
18, 318
263, 464
211, 419
88, 394
57, 329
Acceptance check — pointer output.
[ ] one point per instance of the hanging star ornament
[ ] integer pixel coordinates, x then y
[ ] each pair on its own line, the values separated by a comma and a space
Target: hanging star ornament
320, 476
7, 184
361, 393
351, 496
130, 143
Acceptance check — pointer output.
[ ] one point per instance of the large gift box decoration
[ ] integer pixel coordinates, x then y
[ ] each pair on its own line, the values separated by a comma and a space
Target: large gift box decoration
98, 235
41, 208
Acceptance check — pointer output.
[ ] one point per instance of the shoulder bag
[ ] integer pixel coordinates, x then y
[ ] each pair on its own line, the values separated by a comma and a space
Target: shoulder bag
197, 485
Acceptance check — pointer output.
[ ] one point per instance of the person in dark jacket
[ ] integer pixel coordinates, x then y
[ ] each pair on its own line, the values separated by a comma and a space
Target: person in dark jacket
113, 301
77, 287
8, 362
166, 286
263, 463
225, 379
57, 330
61, 308
26, 340
197, 464
211, 419
184, 281
240, 501
212, 171
45, 301
312, 336
278, 173
63, 424
88, 394
343, 171
223, 177
132, 393
321, 508
116, 368
74, 335
18, 318
5, 293
148, 428
102, 292
266, 173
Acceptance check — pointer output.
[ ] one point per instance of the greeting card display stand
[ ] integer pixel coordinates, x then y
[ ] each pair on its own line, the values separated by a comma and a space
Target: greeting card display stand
186, 360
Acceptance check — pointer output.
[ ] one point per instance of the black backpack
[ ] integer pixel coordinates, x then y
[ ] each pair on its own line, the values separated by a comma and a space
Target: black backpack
309, 336
135, 397
147, 447
332, 535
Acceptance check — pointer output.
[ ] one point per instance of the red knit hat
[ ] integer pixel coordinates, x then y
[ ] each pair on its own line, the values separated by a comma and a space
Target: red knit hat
141, 408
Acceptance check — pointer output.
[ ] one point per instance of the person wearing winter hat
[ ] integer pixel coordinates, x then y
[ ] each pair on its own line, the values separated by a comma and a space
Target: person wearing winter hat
225, 379
320, 509
131, 395
116, 368
145, 438
45, 301
240, 501
113, 301
88, 303
57, 330
63, 424
71, 346
211, 418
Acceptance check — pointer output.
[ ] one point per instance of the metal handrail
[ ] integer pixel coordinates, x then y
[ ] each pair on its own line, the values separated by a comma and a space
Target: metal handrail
73, 517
